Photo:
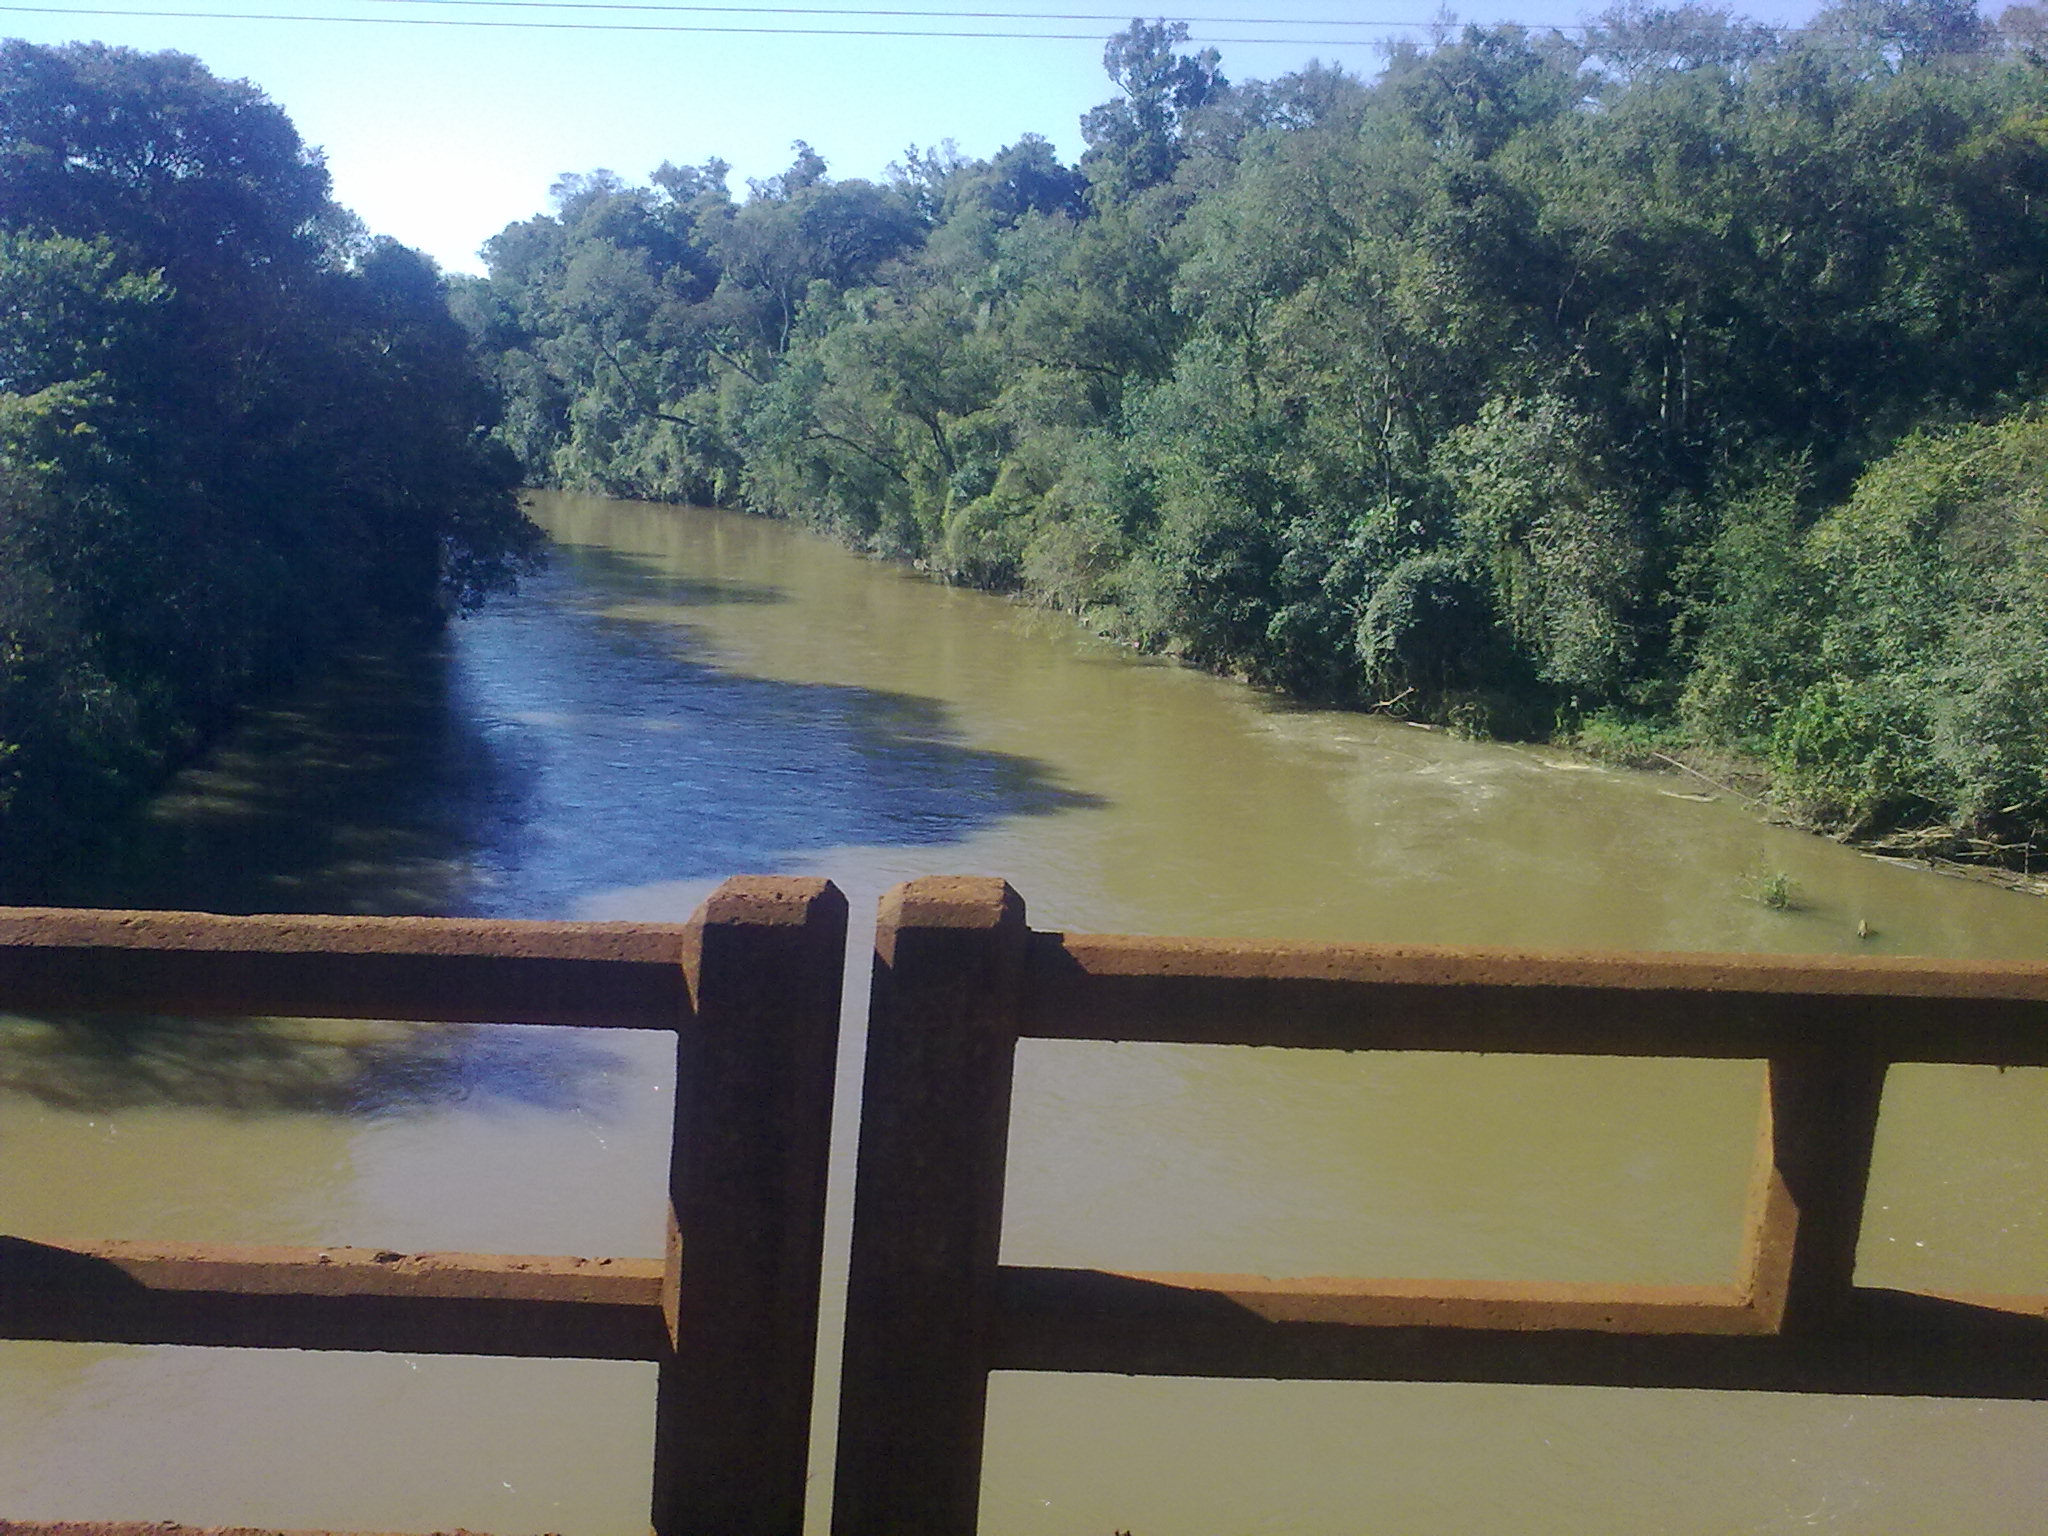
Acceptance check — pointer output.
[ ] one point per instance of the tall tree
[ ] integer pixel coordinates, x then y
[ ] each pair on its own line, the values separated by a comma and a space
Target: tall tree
1136, 141
235, 430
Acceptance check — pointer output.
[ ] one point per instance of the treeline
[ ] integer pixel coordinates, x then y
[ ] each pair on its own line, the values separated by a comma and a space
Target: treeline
1674, 384
234, 431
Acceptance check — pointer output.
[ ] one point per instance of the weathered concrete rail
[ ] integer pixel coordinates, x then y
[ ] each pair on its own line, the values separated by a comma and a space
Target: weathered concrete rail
960, 978
751, 988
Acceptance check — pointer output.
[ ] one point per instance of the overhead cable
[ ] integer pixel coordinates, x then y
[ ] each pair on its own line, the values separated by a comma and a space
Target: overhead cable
932, 15
709, 29
628, 26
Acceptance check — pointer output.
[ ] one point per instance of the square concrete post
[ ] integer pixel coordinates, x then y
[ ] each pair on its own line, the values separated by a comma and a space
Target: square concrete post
753, 1116
928, 1208
1813, 1173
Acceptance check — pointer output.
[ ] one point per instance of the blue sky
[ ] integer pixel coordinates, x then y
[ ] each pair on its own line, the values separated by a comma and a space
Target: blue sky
441, 135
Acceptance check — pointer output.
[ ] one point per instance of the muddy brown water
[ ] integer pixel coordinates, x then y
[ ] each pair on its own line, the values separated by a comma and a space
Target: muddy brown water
689, 694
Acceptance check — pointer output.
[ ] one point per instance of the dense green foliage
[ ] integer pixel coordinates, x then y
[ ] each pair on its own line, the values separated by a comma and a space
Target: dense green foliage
1678, 375
233, 430
1895, 658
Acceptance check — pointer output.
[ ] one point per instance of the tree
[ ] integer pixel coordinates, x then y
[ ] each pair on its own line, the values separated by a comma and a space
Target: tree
1475, 95
180, 171
233, 431
1135, 143
1022, 178
1538, 513
1900, 31
1635, 40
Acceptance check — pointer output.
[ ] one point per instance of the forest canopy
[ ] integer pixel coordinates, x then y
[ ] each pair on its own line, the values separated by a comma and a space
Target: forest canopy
234, 430
1675, 383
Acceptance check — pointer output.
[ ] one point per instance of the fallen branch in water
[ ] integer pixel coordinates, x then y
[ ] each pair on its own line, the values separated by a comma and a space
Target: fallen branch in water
1390, 703
1706, 778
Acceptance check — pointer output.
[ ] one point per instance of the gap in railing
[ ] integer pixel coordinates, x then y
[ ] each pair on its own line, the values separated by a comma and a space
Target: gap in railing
1955, 1189
1097, 1454
1235, 1159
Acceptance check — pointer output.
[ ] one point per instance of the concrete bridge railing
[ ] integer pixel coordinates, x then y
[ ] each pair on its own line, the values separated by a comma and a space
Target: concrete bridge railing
751, 988
959, 978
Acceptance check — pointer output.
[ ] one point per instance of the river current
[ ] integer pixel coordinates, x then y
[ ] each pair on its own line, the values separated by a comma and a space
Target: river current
684, 695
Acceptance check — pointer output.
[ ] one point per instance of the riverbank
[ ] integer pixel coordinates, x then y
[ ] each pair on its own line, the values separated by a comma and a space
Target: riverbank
1747, 778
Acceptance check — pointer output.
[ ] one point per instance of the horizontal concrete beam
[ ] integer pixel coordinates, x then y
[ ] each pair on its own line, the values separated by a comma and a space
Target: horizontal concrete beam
333, 1298
1413, 997
450, 970
1440, 1304
1889, 1343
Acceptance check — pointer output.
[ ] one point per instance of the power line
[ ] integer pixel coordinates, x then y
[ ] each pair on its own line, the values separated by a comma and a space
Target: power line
1118, 17
834, 11
716, 30
625, 26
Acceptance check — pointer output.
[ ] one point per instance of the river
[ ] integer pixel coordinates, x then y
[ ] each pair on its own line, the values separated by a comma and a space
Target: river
687, 694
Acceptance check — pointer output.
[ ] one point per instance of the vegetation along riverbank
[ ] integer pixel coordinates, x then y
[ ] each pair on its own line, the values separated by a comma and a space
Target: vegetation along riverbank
235, 430
1674, 386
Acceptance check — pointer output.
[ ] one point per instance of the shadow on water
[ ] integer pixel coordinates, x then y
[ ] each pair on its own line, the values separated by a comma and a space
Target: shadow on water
356, 795
543, 750
640, 762
552, 746
306, 1066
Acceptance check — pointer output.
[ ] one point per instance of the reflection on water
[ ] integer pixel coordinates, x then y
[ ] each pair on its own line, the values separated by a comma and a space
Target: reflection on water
686, 695
360, 793
300, 1066
640, 762
558, 745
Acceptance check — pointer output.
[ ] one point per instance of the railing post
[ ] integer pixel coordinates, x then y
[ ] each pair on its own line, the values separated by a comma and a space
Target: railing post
1813, 1173
928, 1208
754, 1075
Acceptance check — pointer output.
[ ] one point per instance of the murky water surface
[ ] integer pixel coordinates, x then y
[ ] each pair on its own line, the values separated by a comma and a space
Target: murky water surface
686, 695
